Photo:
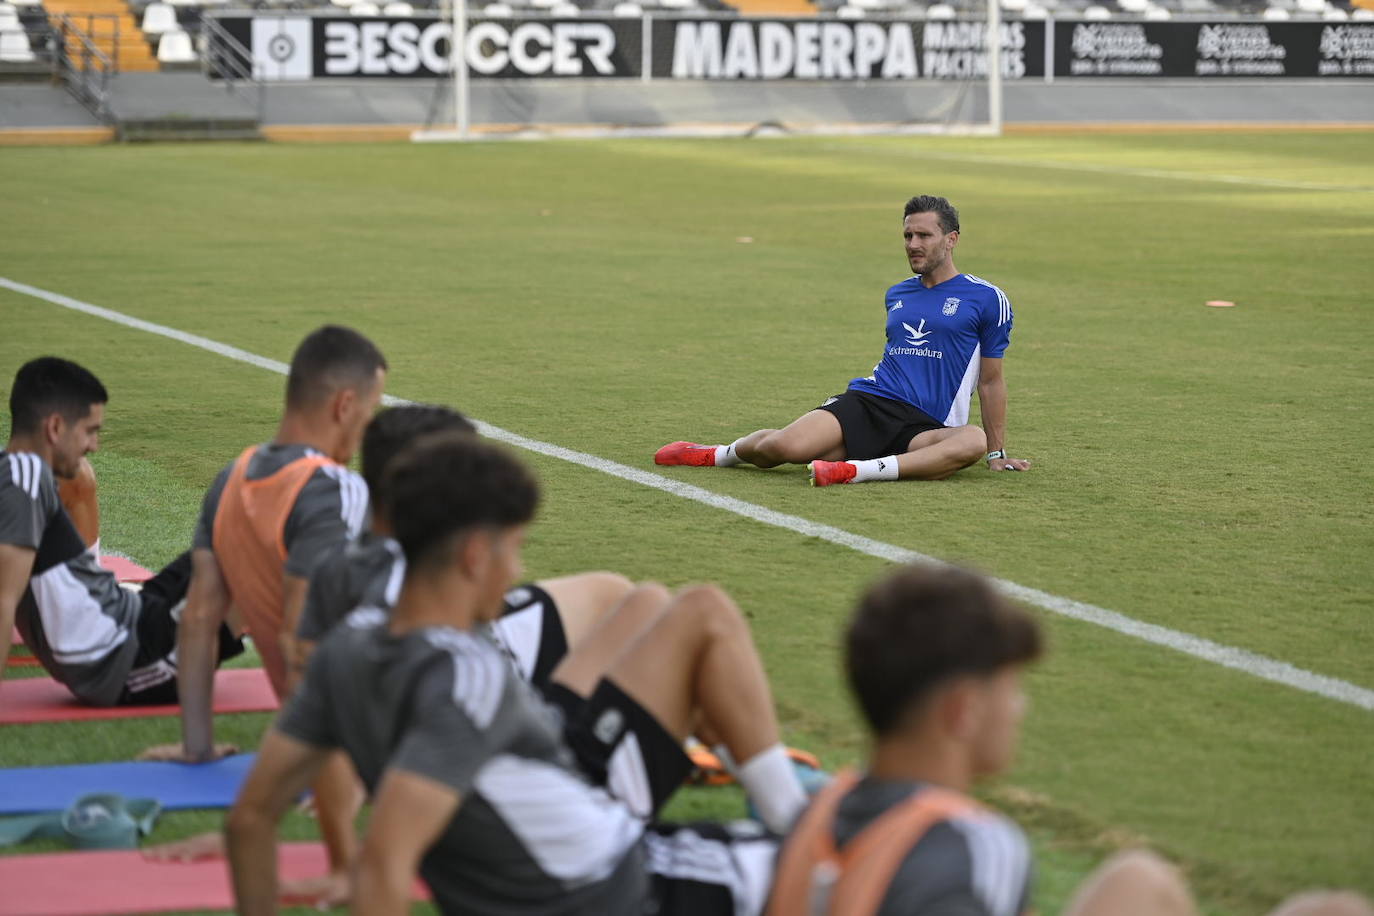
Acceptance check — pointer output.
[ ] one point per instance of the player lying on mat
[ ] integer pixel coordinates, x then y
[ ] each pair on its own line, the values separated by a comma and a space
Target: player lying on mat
935, 659
502, 801
106, 644
946, 333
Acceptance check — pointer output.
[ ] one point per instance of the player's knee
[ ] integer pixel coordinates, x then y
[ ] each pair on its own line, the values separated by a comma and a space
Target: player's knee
1140, 875
713, 613
1326, 903
609, 587
976, 441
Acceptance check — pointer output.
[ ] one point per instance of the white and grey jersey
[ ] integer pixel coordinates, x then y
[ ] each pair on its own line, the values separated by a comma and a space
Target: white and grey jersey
962, 866
331, 508
366, 572
74, 616
531, 834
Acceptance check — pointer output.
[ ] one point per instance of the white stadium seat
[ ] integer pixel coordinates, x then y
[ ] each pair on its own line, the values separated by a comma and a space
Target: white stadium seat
14, 47
850, 12
1097, 12
26, 2
175, 48
1362, 15
1335, 14
940, 11
365, 8
1035, 11
565, 10
7, 9
1274, 14
1311, 7
627, 10
498, 10
343, 3
1014, 6
1133, 6
398, 9
1158, 14
678, 4
159, 18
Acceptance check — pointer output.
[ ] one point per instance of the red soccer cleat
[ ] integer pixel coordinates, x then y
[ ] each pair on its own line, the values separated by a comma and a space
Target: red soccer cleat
824, 473
687, 453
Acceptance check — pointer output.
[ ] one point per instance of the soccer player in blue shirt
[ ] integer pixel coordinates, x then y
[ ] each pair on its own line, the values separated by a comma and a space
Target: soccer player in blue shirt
946, 334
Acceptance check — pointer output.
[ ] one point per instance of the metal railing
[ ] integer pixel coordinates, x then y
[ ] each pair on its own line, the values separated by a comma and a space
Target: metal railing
224, 57
81, 66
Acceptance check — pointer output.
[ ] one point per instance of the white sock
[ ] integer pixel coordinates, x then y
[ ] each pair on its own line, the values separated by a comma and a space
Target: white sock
726, 457
773, 787
876, 469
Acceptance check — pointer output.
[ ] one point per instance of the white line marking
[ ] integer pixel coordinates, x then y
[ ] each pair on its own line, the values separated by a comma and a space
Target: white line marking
1227, 656
1256, 181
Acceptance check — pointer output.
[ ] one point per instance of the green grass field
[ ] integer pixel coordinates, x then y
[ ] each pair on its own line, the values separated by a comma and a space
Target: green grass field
1201, 469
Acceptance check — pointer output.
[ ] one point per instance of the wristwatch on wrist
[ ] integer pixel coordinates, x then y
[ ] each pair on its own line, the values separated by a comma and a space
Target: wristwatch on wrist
1000, 453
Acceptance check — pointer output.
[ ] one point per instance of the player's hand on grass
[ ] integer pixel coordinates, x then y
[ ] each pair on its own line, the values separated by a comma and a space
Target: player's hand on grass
176, 753
322, 891
1008, 464
195, 849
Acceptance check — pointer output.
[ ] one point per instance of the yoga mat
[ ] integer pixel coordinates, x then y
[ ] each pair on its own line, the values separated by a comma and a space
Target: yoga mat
97, 883
125, 570
41, 699
176, 785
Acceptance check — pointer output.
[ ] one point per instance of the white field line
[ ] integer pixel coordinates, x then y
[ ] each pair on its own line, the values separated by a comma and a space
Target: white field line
1256, 181
1259, 666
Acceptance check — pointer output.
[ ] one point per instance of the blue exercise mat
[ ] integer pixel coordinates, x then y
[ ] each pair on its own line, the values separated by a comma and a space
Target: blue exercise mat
175, 785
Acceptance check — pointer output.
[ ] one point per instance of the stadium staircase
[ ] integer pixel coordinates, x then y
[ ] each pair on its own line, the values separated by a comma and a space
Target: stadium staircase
109, 26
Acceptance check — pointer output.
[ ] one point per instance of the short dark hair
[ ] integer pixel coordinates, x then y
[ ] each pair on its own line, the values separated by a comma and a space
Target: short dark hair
328, 360
921, 627
49, 385
928, 203
450, 484
393, 429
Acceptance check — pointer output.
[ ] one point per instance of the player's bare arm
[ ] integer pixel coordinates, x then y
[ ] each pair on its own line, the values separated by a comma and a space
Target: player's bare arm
992, 402
207, 607
409, 813
283, 769
16, 563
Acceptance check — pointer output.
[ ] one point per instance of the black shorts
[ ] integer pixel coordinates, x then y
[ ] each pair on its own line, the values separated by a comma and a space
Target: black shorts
530, 631
153, 678
709, 868
621, 746
875, 427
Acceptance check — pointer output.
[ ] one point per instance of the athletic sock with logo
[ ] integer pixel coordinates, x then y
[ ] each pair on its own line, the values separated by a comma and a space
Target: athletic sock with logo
726, 457
773, 787
875, 469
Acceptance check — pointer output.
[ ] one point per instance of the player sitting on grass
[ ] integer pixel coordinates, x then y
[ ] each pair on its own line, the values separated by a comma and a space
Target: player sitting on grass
501, 803
935, 659
541, 619
106, 644
946, 334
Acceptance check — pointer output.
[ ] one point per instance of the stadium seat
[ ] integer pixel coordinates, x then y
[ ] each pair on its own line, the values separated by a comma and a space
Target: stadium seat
850, 12
1035, 11
1158, 14
940, 11
32, 3
1311, 7
627, 10
14, 47
565, 10
174, 47
1361, 15
365, 8
159, 18
1274, 14
498, 10
398, 9
8, 9
1097, 12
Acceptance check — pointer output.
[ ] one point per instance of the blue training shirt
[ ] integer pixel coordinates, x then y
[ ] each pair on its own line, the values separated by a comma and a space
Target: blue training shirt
935, 338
